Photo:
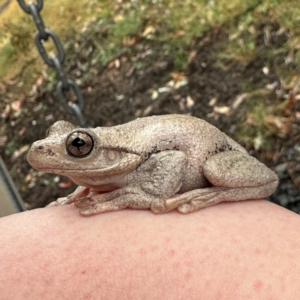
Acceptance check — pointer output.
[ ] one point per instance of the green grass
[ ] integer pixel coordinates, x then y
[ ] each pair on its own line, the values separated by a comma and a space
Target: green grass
112, 25
176, 24
263, 120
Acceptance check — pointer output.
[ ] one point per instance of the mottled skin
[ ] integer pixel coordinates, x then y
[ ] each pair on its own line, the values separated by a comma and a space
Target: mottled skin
159, 162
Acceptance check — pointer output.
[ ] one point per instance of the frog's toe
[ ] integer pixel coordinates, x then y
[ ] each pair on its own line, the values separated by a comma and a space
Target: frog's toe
87, 210
59, 201
114, 205
186, 208
84, 201
158, 206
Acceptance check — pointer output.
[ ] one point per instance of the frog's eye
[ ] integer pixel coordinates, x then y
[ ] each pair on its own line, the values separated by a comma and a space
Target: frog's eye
79, 144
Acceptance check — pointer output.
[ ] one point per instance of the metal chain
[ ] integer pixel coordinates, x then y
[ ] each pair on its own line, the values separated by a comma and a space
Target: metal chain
55, 61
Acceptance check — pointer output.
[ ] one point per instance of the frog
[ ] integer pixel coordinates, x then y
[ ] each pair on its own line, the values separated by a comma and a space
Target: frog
160, 163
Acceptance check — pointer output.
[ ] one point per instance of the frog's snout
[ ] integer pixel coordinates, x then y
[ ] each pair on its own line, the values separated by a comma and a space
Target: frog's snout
38, 151
31, 155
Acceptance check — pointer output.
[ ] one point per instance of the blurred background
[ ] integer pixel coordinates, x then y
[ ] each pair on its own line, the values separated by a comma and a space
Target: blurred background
233, 63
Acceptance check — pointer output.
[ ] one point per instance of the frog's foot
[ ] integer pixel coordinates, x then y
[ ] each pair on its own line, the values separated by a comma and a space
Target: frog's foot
202, 198
79, 193
95, 197
113, 205
120, 199
128, 197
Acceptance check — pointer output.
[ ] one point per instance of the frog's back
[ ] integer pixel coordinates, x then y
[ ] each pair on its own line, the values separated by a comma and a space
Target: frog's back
153, 134
181, 132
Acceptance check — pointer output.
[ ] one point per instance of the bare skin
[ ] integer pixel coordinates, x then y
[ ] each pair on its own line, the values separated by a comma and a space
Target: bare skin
162, 163
244, 250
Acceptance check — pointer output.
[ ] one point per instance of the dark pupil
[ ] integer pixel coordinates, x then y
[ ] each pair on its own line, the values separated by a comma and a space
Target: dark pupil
78, 142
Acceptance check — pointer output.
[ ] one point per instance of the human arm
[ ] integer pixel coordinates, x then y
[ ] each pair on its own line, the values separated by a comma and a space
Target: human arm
243, 250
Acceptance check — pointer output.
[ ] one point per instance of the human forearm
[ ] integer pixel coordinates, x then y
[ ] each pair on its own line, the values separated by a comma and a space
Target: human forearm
230, 251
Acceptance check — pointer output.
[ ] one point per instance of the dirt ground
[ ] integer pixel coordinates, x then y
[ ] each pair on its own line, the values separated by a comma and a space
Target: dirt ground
141, 82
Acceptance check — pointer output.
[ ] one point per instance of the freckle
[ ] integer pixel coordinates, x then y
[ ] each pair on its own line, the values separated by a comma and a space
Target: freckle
172, 252
187, 276
218, 295
176, 265
257, 251
233, 240
154, 248
143, 251
257, 285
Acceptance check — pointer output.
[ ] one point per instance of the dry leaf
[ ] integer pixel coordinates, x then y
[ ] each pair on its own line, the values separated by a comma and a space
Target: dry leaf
189, 102
182, 104
163, 89
274, 121
238, 100
177, 76
180, 32
212, 101
154, 95
222, 109
130, 71
192, 55
16, 105
22, 131
148, 30
266, 70
180, 83
148, 110
117, 63
6, 111
19, 152
3, 140
65, 184
133, 41
257, 142
118, 18
40, 80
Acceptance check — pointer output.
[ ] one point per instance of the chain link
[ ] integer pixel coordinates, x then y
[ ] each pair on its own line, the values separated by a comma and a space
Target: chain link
55, 61
39, 41
38, 21
60, 93
26, 8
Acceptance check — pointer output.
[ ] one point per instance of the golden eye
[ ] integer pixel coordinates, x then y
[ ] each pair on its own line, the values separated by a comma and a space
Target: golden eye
79, 144
112, 155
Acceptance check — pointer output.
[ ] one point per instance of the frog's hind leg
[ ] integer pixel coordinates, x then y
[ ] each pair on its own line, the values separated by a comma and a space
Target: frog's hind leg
234, 176
214, 195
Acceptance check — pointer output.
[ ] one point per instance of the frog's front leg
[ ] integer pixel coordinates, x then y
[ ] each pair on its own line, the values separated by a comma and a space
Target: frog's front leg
234, 175
154, 181
81, 191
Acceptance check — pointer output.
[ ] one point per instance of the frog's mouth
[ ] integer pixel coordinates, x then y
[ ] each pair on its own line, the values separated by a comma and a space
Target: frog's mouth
67, 172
